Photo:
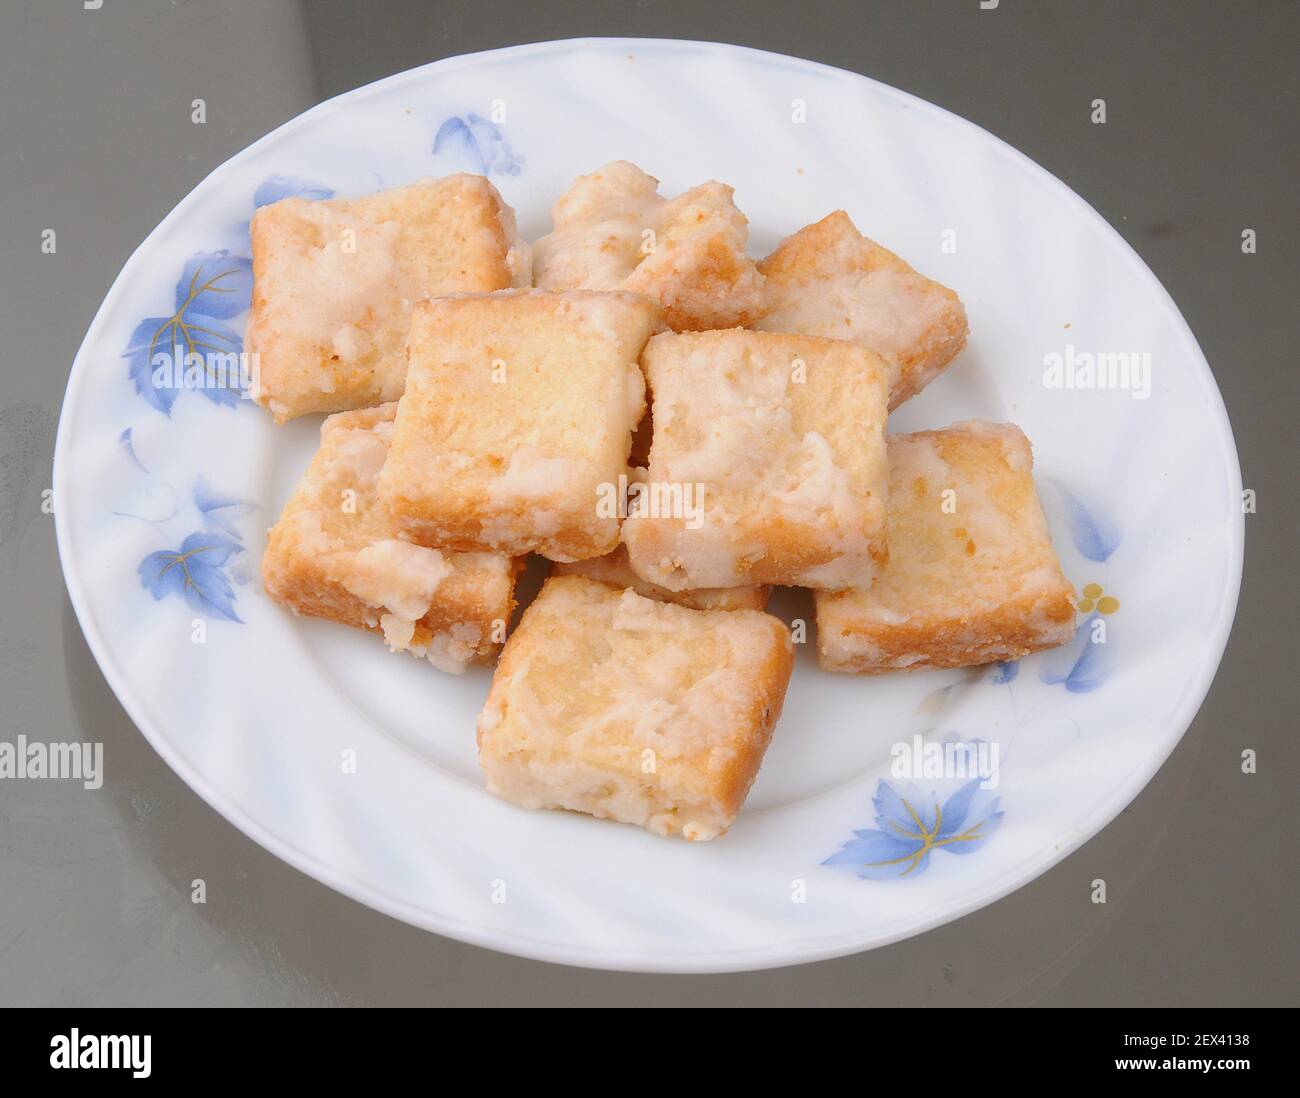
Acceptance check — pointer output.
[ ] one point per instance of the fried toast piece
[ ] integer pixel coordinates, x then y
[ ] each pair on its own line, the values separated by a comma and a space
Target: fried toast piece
334, 282
614, 231
635, 710
517, 420
767, 464
336, 554
615, 570
830, 280
972, 576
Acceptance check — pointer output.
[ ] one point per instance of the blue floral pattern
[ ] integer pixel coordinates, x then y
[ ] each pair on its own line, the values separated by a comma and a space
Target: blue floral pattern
1085, 663
1095, 538
196, 571
276, 187
201, 569
129, 446
911, 823
1080, 666
481, 141
213, 287
1006, 671
219, 511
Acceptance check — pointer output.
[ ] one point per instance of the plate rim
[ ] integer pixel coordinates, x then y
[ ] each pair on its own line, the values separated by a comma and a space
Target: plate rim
629, 960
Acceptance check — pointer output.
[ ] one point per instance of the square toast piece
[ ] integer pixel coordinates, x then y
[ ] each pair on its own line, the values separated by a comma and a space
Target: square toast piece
336, 554
972, 576
830, 280
615, 570
517, 420
767, 464
629, 709
334, 282
614, 231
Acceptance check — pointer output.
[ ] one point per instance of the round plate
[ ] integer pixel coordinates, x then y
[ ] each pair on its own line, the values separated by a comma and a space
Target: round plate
359, 767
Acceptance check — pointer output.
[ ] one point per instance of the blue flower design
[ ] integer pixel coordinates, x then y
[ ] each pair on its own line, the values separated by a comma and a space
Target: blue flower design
1080, 666
129, 446
482, 142
276, 187
196, 571
911, 823
1005, 672
219, 511
1096, 538
213, 287
201, 570
1085, 663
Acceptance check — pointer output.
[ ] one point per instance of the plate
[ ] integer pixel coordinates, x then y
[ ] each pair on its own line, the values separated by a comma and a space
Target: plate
865, 825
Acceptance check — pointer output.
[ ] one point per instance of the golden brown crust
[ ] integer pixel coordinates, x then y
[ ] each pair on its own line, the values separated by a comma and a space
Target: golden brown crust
771, 679
972, 576
316, 557
830, 280
517, 419
783, 438
309, 590
704, 281
614, 231
962, 640
634, 710
334, 281
814, 252
615, 570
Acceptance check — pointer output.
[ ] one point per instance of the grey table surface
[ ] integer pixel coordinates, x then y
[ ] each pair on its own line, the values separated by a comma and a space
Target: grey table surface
1200, 143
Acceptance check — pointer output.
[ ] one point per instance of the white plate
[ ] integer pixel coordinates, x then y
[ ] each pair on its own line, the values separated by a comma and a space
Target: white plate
258, 711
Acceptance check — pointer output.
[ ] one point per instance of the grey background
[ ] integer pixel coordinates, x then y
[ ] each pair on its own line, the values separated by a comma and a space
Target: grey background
96, 142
